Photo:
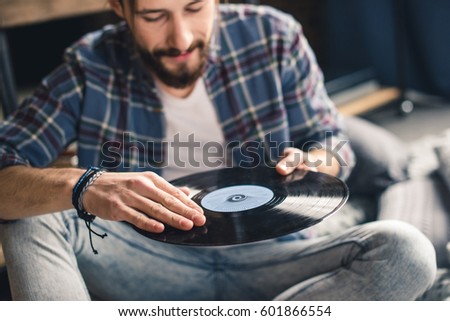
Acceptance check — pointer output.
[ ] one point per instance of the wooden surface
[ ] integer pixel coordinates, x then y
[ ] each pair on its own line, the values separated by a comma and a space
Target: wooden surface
2, 259
370, 102
15, 13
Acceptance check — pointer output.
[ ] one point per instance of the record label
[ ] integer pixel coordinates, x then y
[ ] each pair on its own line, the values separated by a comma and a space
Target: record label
237, 198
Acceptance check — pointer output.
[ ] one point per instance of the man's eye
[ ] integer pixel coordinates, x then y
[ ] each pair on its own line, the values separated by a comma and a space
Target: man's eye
194, 9
153, 19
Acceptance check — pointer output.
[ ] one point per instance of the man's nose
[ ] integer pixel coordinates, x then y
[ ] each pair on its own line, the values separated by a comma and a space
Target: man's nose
181, 36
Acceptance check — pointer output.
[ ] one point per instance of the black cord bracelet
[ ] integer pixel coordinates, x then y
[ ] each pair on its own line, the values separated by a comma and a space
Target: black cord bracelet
86, 180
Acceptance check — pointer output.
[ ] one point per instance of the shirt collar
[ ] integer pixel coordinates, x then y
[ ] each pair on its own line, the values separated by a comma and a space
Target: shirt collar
214, 43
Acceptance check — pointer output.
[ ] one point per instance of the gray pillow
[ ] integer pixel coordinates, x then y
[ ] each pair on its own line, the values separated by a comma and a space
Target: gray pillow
381, 158
443, 155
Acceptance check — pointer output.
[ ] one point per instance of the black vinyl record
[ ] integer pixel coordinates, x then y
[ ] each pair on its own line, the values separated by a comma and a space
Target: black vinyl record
246, 205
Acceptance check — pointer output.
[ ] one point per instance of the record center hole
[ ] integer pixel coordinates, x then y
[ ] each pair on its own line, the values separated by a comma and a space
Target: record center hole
237, 198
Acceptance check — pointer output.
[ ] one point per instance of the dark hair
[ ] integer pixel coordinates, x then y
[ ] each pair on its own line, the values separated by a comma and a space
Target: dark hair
130, 2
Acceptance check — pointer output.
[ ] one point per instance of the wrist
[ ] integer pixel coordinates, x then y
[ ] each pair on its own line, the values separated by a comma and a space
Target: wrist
80, 188
61, 182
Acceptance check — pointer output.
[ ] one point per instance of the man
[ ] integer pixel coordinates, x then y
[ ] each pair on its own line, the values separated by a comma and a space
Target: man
178, 69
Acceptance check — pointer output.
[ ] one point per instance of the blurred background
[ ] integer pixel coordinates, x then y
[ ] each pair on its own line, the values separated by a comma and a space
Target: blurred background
386, 61
367, 46
380, 50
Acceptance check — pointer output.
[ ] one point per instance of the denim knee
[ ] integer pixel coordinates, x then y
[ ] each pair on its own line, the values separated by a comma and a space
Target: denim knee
411, 253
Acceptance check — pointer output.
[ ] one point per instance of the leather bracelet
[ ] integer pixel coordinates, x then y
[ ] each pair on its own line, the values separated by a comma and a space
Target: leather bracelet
86, 180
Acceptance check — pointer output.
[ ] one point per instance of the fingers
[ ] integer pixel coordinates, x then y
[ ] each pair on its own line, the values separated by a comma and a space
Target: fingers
162, 213
164, 202
293, 159
143, 222
170, 209
153, 225
177, 201
185, 190
174, 191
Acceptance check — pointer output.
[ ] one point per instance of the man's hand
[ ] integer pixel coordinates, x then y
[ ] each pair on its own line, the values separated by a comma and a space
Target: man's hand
294, 158
145, 200
317, 160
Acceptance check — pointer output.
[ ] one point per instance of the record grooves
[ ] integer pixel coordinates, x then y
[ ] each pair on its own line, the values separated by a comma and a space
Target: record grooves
246, 205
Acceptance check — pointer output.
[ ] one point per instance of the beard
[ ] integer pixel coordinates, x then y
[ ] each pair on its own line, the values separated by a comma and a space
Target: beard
180, 78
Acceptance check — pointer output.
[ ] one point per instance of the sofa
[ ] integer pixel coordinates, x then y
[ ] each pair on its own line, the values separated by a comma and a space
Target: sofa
407, 182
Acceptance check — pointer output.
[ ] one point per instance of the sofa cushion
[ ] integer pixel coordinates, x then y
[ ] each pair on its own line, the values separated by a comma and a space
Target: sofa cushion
381, 158
424, 203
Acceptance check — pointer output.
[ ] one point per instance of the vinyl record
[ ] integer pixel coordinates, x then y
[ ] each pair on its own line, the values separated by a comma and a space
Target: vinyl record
246, 205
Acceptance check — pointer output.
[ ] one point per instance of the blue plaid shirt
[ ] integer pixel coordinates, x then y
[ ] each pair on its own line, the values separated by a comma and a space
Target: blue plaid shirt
261, 76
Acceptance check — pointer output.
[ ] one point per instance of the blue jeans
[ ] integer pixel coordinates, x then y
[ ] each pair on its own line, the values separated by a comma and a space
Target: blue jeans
49, 258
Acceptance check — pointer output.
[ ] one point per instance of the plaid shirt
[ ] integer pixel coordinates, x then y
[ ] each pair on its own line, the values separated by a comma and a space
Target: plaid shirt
261, 76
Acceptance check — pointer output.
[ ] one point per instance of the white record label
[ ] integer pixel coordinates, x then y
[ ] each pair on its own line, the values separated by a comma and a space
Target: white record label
237, 198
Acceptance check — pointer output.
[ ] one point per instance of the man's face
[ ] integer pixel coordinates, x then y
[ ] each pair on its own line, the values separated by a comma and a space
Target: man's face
172, 37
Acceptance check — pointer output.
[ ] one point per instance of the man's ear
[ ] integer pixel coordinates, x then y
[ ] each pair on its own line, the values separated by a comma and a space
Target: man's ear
117, 7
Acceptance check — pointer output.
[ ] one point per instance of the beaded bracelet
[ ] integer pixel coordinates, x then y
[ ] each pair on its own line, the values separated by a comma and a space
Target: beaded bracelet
86, 180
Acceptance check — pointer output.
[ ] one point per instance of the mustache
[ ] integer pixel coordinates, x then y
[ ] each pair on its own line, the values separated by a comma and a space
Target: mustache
174, 52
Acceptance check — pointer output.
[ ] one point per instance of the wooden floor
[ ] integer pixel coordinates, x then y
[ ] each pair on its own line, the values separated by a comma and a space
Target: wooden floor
2, 259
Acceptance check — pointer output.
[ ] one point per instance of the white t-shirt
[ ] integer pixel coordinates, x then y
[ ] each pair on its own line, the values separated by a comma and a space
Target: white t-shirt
193, 132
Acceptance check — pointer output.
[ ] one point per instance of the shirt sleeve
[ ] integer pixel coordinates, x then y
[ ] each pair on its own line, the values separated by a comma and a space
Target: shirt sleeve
45, 123
313, 119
